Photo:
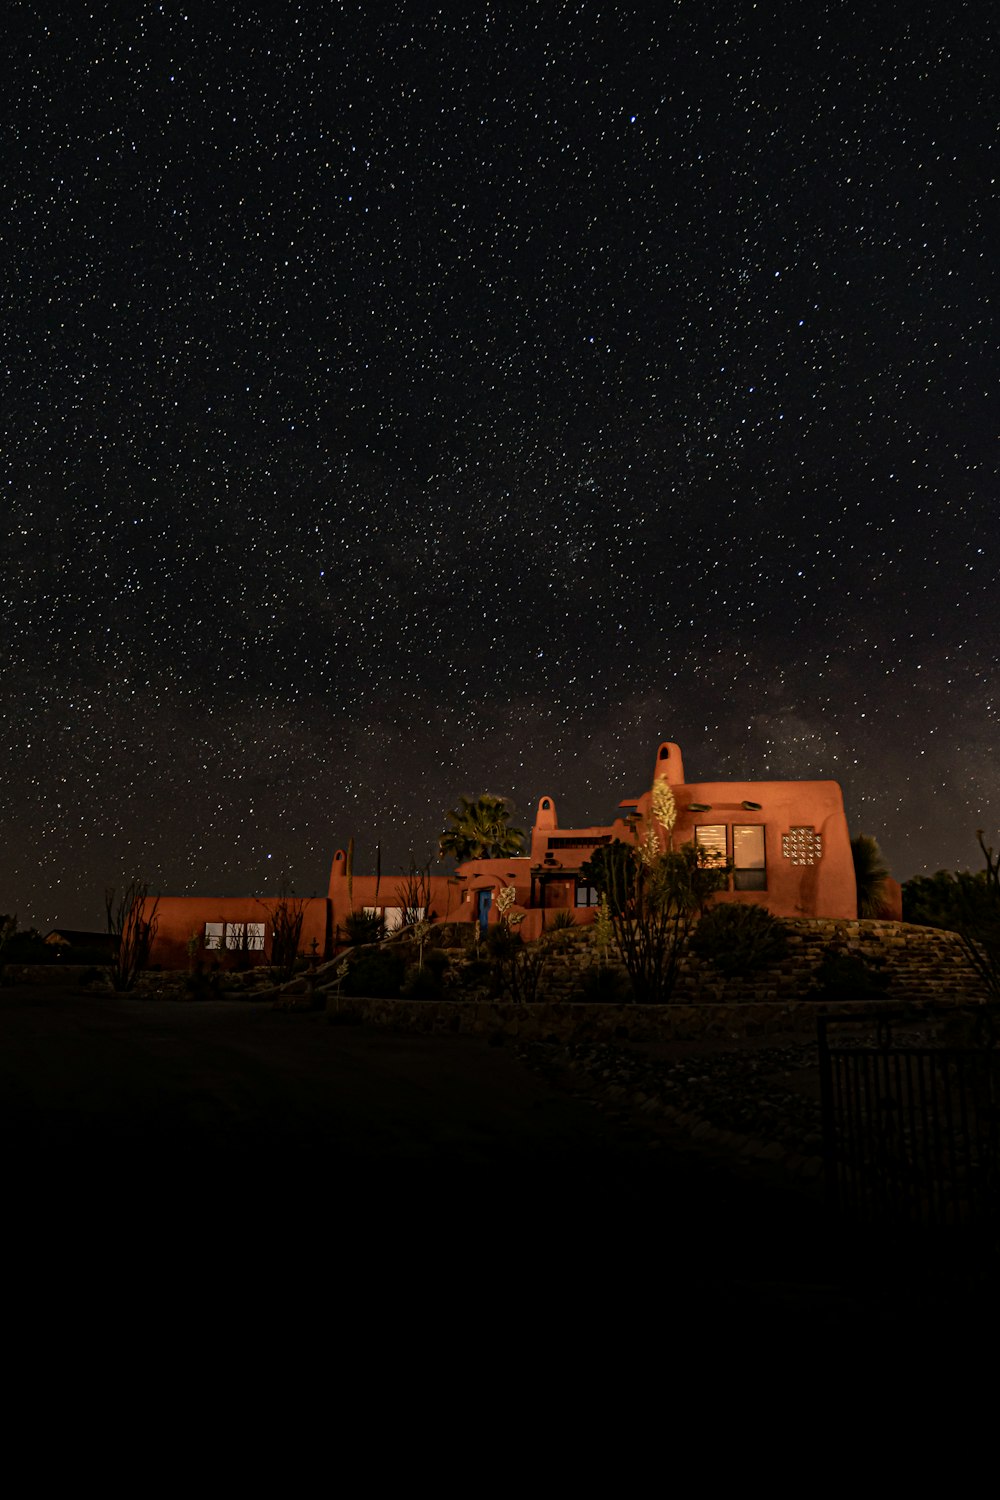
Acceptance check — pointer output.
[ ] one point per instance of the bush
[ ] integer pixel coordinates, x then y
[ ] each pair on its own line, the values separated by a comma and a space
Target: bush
202, 985
377, 974
603, 984
421, 984
474, 975
559, 930
516, 966
844, 975
946, 899
737, 939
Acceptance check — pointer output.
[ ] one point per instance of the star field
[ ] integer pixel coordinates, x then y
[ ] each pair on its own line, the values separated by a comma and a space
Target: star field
414, 399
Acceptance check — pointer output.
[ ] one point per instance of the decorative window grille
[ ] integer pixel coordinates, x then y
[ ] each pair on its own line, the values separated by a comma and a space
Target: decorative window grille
803, 846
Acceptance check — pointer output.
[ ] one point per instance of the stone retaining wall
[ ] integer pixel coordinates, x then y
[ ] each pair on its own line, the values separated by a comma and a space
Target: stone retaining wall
921, 963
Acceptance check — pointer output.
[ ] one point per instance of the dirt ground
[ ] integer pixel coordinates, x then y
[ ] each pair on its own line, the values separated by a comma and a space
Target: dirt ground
230, 1135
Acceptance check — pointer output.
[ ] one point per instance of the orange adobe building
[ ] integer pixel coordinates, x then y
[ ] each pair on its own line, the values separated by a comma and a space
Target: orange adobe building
787, 843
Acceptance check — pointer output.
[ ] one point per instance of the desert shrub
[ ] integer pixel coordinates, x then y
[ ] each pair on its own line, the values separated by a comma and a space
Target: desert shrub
603, 984
376, 973
285, 918
843, 975
437, 963
967, 903
651, 898
364, 927
737, 939
559, 929
201, 984
516, 966
421, 983
474, 975
945, 899
132, 922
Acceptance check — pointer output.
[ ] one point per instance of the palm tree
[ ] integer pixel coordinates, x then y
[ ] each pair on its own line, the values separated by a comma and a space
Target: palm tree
481, 831
870, 873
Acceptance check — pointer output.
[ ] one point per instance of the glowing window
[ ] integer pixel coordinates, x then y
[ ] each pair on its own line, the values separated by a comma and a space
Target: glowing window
235, 937
749, 868
711, 838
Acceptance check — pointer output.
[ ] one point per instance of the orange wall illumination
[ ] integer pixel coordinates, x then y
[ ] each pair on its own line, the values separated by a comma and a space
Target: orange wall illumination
786, 841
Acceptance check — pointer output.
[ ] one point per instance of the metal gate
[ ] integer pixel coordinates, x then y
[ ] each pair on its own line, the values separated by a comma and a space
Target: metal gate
911, 1110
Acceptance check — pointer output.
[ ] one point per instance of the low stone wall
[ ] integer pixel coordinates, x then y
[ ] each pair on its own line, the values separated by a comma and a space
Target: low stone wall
558, 1022
46, 974
923, 965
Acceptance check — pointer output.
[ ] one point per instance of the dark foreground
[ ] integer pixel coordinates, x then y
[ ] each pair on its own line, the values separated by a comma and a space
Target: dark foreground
232, 1146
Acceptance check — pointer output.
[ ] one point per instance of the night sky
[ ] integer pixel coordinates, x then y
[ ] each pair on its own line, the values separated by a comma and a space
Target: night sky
408, 400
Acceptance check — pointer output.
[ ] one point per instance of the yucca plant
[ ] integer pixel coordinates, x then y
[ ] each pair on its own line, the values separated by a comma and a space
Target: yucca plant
870, 874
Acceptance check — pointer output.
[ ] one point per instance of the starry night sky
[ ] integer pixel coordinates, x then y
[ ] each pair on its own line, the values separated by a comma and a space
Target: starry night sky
410, 400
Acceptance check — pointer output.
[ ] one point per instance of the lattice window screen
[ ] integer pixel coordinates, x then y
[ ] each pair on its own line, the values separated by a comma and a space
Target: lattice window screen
803, 846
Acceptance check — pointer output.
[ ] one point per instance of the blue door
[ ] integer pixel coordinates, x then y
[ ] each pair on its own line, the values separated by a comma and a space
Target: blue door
484, 901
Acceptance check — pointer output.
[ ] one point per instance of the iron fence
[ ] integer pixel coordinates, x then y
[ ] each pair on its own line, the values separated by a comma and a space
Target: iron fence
911, 1118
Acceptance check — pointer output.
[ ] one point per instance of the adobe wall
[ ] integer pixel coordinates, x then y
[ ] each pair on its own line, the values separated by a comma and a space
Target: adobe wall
179, 918
824, 887
446, 893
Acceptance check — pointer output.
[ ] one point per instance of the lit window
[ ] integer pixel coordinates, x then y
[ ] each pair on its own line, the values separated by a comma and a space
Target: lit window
711, 840
586, 895
397, 916
236, 937
749, 869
